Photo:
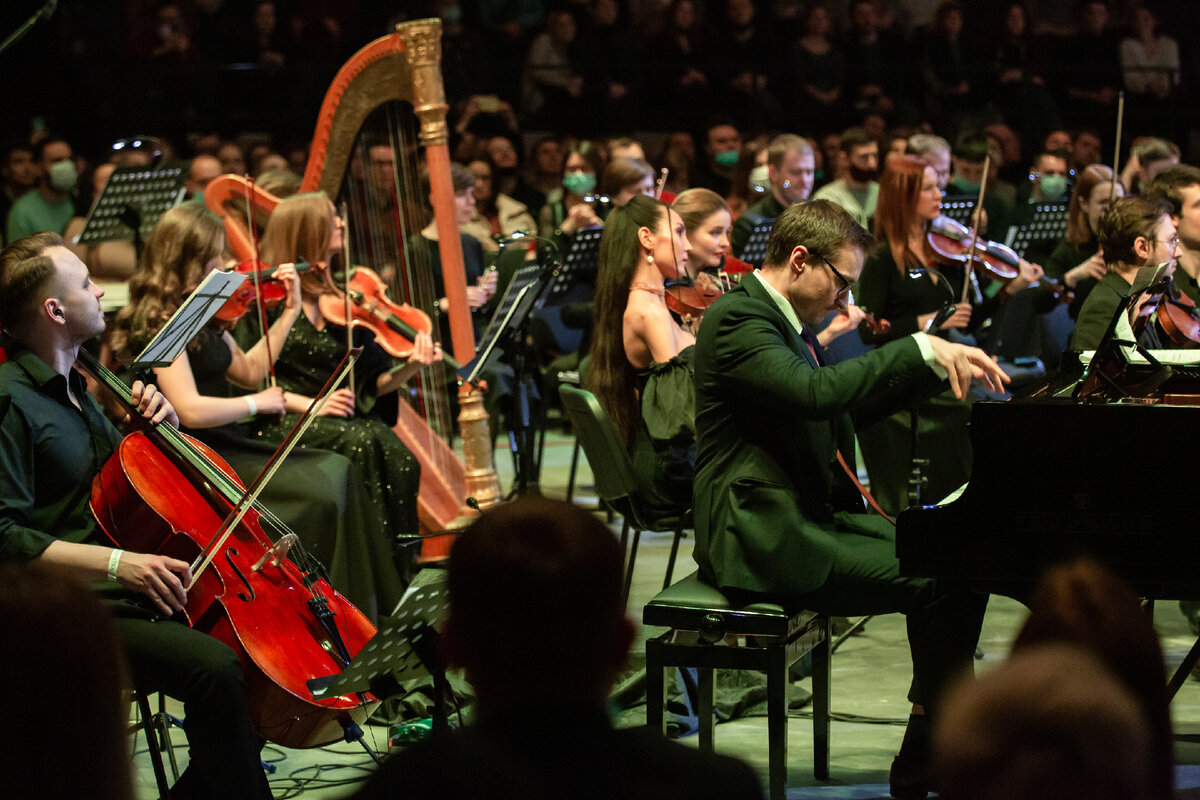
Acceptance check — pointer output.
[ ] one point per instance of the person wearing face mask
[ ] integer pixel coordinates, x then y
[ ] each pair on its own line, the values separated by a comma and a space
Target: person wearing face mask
567, 208
640, 363
722, 147
857, 190
790, 166
969, 160
1134, 232
51, 207
1077, 260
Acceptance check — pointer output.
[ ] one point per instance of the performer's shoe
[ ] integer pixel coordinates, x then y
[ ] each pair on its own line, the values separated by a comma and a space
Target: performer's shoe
909, 776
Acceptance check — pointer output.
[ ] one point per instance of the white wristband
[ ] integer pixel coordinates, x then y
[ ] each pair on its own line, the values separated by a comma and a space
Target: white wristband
114, 561
253, 406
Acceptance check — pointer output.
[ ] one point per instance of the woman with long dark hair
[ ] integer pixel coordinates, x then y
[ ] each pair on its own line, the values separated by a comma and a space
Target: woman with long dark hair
640, 367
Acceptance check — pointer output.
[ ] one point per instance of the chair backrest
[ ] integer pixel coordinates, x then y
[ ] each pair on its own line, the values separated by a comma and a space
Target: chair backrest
611, 467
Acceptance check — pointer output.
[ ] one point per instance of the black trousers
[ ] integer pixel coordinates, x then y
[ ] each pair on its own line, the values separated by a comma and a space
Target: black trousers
205, 675
943, 620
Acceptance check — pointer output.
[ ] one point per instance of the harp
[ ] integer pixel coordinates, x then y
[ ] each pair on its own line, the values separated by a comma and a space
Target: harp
387, 103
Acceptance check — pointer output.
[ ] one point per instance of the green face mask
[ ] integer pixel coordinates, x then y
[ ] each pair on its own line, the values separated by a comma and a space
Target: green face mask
727, 158
579, 182
964, 186
1053, 186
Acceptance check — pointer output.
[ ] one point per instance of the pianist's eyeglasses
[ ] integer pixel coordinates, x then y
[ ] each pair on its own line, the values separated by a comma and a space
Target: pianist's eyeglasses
845, 283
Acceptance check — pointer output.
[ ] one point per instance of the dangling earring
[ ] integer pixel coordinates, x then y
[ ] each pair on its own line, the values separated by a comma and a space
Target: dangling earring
650, 259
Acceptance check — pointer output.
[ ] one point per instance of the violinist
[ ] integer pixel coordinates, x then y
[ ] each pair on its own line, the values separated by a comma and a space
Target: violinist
306, 228
1180, 186
53, 440
1135, 232
903, 282
320, 495
640, 368
708, 222
1076, 260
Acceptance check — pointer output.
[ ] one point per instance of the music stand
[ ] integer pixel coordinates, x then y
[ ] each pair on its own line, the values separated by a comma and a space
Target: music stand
755, 250
403, 648
131, 204
959, 207
1048, 224
582, 259
507, 334
192, 315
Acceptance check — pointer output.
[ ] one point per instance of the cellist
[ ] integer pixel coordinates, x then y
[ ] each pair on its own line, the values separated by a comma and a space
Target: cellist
53, 439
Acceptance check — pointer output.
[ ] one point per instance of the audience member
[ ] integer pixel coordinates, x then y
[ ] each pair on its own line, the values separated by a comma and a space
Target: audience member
540, 728
858, 189
50, 207
1149, 58
1148, 156
722, 146
1051, 723
82, 668
18, 175
1086, 605
818, 69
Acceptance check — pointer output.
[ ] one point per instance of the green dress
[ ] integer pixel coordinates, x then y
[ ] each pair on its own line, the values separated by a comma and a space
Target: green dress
392, 475
664, 452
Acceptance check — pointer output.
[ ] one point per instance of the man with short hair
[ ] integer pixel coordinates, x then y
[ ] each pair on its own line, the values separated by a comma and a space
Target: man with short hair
1147, 157
18, 176
934, 151
790, 168
722, 148
777, 513
1180, 186
201, 173
970, 156
1085, 150
50, 207
858, 189
53, 440
541, 728
1135, 232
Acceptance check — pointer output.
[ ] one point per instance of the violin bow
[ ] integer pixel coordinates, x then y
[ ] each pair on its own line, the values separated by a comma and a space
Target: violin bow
969, 274
345, 217
661, 182
263, 328
250, 496
1112, 188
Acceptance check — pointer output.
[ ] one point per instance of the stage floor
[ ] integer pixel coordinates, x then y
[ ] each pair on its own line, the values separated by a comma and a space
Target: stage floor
871, 672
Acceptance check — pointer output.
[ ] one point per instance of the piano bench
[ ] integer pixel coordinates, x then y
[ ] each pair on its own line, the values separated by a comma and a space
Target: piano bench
700, 618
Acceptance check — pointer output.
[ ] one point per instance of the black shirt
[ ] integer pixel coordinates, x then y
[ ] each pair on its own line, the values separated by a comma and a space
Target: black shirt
49, 453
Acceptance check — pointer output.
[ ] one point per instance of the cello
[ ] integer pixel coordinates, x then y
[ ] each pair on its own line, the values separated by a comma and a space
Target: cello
163, 492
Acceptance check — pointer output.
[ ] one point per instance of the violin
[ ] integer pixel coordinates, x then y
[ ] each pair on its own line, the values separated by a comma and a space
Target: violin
951, 240
876, 326
395, 325
244, 298
163, 492
1178, 319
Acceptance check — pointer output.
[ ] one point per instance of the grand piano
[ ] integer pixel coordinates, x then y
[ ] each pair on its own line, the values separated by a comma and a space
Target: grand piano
1098, 466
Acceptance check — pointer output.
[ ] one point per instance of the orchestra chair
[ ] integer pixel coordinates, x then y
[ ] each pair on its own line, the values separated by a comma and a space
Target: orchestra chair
702, 622
157, 728
616, 483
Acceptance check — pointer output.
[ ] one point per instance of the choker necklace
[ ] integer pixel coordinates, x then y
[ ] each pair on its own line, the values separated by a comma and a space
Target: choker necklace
659, 290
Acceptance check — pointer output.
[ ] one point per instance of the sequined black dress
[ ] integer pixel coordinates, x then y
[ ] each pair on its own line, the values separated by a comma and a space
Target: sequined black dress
320, 495
391, 473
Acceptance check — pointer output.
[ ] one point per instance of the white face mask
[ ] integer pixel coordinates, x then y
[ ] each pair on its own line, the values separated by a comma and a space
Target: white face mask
760, 179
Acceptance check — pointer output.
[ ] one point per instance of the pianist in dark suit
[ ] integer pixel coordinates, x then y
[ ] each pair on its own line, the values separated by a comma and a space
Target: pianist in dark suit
775, 514
1133, 233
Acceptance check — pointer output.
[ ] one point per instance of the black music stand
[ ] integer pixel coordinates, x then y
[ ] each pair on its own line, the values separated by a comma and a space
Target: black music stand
131, 204
403, 648
755, 250
581, 262
959, 207
507, 335
1047, 224
192, 315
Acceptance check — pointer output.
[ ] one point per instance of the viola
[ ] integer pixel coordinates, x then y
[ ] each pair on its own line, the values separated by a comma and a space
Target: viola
246, 296
1178, 319
395, 325
165, 493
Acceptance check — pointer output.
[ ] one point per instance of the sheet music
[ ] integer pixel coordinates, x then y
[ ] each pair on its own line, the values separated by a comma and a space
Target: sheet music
192, 315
